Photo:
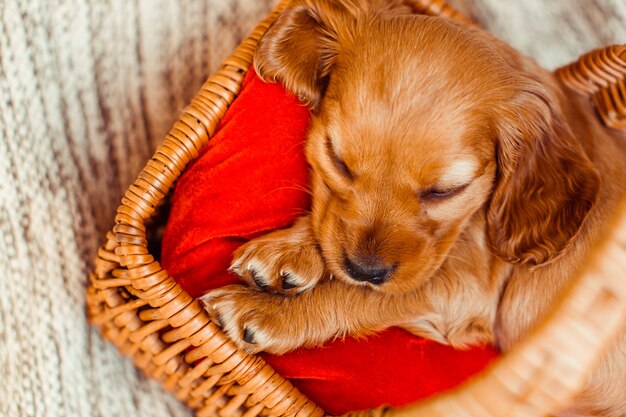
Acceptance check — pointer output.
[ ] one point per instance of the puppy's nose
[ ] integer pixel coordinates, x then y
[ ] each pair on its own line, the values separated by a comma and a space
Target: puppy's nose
369, 269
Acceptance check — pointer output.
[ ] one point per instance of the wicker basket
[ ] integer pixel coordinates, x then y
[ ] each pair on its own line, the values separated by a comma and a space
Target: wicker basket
142, 310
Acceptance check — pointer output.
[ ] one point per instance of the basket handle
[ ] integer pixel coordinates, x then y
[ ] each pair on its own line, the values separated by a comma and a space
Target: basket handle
439, 8
601, 75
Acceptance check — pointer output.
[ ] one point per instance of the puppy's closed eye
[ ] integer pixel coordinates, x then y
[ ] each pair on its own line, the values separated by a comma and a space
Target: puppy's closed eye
338, 163
456, 178
434, 194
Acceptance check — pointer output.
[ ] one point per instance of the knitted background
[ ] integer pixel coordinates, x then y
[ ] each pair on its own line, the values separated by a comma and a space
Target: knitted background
87, 91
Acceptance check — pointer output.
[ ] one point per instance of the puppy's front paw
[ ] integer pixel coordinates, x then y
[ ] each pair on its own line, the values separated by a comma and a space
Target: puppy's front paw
284, 262
254, 320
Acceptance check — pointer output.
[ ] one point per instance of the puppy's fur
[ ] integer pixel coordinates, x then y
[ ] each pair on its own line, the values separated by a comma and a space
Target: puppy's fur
457, 187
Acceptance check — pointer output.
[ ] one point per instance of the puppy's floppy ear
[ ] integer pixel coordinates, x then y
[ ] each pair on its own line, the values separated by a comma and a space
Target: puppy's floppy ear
299, 49
546, 183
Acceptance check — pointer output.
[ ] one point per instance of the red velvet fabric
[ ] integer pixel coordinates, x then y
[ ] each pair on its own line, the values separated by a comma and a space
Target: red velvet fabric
249, 180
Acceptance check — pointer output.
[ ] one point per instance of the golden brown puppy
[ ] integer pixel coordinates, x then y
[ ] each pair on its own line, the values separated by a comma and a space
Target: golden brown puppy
456, 185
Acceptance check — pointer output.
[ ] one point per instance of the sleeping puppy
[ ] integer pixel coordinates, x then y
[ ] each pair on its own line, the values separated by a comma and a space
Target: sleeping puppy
457, 187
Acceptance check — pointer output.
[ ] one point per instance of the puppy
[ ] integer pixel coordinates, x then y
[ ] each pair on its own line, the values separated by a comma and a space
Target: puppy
457, 187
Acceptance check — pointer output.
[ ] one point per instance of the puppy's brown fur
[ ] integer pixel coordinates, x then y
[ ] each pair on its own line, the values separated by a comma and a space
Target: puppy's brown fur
456, 187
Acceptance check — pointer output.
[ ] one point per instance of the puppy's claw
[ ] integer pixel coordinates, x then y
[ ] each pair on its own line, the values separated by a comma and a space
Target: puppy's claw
258, 280
214, 317
235, 266
248, 336
287, 285
209, 301
287, 281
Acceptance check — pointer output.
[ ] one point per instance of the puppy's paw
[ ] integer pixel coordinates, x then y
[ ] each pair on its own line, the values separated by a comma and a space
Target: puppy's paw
256, 321
283, 262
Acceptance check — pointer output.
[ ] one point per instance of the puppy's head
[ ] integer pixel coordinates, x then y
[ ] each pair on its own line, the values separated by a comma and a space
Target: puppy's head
418, 123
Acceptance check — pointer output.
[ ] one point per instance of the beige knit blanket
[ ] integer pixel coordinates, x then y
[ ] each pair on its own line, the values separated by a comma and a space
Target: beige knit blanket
87, 90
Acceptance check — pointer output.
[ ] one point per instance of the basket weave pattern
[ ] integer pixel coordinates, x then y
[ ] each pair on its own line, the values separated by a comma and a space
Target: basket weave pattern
601, 74
147, 315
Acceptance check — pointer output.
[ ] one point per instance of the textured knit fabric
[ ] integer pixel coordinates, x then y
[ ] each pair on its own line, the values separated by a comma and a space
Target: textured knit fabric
87, 90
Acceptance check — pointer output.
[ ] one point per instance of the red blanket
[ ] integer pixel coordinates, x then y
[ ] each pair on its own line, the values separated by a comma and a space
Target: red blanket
249, 180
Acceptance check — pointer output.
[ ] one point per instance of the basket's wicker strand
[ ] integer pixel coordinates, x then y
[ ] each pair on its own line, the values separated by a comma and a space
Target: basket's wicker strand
142, 310
546, 370
439, 8
601, 74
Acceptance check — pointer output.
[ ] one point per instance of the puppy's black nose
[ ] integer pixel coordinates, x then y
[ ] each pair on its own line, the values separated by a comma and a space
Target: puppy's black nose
369, 269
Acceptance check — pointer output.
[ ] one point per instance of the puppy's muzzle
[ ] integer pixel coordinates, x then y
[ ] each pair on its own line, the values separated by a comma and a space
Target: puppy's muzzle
368, 269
